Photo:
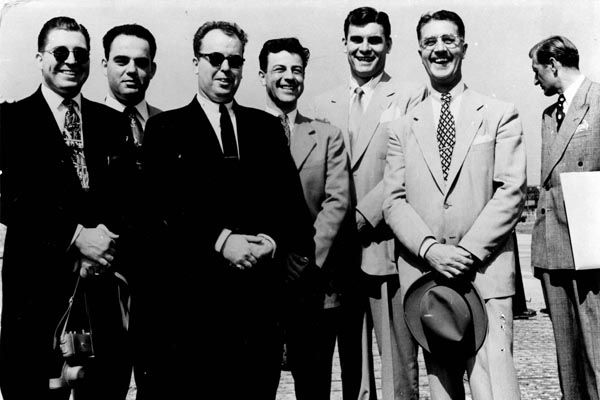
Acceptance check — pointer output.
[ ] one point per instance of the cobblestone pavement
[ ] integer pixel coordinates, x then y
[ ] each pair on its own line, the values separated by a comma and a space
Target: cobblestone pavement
534, 350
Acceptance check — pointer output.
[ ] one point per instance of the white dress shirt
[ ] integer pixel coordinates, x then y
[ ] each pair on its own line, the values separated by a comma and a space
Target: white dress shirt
571, 91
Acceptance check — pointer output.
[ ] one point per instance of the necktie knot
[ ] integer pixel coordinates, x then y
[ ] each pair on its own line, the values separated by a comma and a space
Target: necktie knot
446, 97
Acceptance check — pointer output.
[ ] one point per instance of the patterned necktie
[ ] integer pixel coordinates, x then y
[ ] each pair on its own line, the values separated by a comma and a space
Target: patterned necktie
560, 111
356, 114
74, 141
446, 134
227, 134
283, 118
134, 124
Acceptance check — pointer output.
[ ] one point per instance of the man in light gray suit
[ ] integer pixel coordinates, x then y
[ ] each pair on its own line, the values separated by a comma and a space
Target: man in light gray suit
570, 143
360, 108
129, 66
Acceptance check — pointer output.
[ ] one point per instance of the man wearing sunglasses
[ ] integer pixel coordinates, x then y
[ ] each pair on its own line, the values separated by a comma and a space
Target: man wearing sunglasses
129, 66
64, 199
455, 185
361, 107
229, 217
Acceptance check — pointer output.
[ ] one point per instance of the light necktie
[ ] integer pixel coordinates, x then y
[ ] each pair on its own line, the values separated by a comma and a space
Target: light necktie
227, 135
283, 118
446, 134
74, 141
560, 111
137, 132
356, 114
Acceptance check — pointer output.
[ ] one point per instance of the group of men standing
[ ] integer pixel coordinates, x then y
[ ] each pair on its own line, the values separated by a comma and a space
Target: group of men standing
207, 236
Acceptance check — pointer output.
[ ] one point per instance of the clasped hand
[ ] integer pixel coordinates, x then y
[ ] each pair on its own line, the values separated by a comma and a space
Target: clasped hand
244, 251
97, 245
450, 261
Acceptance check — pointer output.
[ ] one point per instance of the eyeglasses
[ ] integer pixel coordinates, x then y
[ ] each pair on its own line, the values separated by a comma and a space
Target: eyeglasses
450, 41
61, 53
216, 60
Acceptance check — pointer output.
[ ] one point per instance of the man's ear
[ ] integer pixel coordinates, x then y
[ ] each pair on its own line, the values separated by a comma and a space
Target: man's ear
389, 44
555, 65
195, 61
104, 66
261, 77
345, 43
152, 69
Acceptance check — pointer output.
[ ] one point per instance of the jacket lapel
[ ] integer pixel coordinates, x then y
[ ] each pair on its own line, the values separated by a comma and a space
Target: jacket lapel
573, 118
302, 141
340, 106
469, 120
424, 131
379, 102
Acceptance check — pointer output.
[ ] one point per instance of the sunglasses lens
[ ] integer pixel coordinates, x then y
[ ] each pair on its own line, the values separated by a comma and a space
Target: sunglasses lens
81, 55
235, 61
61, 53
216, 59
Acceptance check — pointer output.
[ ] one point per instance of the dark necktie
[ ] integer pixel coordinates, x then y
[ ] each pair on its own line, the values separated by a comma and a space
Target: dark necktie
74, 141
137, 132
283, 118
356, 114
446, 134
227, 135
560, 111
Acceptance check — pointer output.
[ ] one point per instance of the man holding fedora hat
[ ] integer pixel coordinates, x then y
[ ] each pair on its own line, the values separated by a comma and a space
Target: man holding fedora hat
455, 183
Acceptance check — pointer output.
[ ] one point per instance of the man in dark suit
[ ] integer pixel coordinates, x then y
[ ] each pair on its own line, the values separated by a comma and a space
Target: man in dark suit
65, 166
570, 137
129, 67
312, 315
227, 211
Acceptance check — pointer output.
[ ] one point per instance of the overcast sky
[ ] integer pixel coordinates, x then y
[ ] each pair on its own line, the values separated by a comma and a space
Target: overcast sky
499, 33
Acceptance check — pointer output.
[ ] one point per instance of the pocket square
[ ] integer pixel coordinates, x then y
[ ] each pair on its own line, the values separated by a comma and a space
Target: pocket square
583, 126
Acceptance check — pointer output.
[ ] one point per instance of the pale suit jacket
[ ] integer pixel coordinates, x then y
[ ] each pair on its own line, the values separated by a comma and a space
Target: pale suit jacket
319, 154
389, 101
576, 148
480, 203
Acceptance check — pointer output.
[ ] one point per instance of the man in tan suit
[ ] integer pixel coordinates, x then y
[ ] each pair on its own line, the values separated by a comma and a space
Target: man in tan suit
360, 108
455, 183
129, 66
570, 137
311, 317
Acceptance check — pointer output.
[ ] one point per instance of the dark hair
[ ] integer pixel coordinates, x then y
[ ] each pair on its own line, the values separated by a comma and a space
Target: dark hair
129, 30
558, 47
229, 28
63, 23
441, 15
365, 15
291, 45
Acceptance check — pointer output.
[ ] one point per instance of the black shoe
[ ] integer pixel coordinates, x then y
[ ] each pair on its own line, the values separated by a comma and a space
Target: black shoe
529, 313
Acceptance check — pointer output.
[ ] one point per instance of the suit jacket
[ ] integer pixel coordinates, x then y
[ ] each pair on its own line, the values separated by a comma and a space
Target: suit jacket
196, 193
480, 203
389, 101
318, 152
42, 203
575, 148
152, 111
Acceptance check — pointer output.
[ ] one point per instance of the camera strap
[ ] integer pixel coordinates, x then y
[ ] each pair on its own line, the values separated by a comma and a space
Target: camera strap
63, 323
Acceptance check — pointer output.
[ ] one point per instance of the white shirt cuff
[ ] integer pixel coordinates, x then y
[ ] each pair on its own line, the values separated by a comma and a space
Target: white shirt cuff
427, 243
221, 239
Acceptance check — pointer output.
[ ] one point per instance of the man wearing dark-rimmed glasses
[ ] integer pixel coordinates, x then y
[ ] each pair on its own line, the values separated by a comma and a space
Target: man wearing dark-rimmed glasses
66, 168
228, 213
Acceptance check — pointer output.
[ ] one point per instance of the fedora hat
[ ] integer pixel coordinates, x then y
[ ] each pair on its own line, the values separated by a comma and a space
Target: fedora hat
445, 315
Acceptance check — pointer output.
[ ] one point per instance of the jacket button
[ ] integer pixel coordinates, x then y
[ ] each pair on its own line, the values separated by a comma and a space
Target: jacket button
543, 211
443, 241
580, 164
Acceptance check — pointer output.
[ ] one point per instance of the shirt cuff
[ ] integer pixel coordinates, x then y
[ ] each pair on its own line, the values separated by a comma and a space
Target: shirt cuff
427, 243
361, 221
270, 240
221, 239
77, 232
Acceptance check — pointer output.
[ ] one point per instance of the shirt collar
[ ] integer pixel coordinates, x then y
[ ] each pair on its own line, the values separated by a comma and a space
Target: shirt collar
367, 87
210, 106
141, 107
571, 91
291, 115
55, 100
454, 92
